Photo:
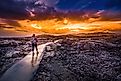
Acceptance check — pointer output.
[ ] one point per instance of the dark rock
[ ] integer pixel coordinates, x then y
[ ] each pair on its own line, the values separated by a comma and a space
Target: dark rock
15, 55
89, 60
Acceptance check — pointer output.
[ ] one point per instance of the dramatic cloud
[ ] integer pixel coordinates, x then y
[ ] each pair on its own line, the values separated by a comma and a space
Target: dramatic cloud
50, 3
21, 8
9, 22
59, 16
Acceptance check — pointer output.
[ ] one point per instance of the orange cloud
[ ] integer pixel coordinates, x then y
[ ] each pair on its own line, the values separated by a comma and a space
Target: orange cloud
55, 26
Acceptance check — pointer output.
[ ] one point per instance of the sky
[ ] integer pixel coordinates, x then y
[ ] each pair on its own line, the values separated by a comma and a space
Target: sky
24, 16
19, 7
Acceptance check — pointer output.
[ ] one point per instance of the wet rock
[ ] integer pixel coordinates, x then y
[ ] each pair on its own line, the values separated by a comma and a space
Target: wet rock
119, 77
11, 51
89, 60
15, 55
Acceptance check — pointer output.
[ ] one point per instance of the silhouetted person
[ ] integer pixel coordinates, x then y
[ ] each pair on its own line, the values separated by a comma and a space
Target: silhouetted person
34, 46
34, 43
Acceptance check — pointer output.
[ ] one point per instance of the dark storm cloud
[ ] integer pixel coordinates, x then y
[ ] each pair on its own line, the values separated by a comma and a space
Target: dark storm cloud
11, 8
18, 8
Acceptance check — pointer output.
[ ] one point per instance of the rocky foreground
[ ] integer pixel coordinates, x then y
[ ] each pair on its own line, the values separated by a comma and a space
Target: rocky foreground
81, 59
13, 50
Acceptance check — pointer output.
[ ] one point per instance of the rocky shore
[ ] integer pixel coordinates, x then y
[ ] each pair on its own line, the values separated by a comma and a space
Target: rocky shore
11, 51
77, 59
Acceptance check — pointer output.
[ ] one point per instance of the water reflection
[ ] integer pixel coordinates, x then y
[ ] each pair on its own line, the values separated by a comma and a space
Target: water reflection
34, 58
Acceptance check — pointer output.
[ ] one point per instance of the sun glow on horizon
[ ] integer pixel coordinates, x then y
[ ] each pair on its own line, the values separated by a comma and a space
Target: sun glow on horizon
66, 25
55, 26
36, 26
74, 27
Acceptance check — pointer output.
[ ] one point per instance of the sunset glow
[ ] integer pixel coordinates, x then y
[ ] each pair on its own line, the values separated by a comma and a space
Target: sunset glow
66, 40
64, 26
54, 25
24, 17
36, 26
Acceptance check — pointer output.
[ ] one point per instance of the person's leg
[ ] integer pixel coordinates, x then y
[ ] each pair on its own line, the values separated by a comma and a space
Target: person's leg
33, 49
36, 48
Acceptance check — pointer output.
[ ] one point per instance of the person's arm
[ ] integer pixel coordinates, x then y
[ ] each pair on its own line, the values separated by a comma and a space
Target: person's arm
36, 40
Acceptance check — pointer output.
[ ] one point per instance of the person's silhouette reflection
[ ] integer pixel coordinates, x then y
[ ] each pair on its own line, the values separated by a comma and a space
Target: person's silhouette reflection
34, 59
